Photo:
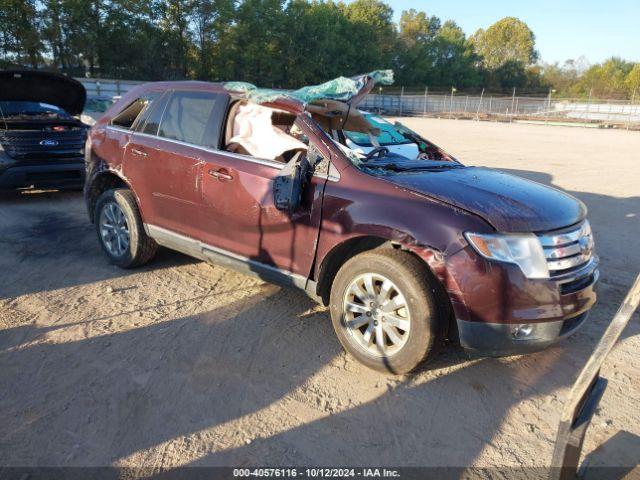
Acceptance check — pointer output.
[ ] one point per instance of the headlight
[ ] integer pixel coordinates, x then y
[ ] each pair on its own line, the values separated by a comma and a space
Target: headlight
87, 120
524, 250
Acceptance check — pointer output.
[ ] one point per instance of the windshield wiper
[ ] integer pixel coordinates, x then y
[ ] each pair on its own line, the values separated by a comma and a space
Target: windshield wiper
413, 165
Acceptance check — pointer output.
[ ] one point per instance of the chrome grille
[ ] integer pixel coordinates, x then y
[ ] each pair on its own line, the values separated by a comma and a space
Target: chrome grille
567, 249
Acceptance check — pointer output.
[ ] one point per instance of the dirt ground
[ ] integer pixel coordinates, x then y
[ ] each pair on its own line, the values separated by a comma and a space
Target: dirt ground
183, 363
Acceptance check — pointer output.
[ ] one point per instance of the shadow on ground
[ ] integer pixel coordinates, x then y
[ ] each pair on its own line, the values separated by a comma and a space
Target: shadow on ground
617, 458
239, 385
51, 230
157, 390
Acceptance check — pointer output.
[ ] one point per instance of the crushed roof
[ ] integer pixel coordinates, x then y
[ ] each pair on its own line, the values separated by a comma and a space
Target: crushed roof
341, 89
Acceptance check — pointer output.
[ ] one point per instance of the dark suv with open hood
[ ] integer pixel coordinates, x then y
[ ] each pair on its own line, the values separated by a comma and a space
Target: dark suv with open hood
406, 246
41, 140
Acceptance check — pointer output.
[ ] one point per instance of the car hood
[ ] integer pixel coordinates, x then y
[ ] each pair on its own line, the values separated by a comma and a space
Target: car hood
43, 87
507, 202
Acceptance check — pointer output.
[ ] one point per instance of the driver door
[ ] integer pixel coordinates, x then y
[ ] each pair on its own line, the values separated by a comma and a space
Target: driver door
240, 216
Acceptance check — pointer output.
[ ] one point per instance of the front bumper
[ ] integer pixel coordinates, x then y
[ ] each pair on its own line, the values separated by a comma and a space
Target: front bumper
500, 339
59, 175
500, 312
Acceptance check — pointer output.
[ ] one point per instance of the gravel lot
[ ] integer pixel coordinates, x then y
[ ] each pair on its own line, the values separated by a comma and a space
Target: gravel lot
183, 363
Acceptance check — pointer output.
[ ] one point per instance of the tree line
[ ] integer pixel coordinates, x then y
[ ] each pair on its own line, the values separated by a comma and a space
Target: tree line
278, 43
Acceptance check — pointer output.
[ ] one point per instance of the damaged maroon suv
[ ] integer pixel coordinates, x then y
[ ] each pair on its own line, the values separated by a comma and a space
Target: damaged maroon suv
406, 245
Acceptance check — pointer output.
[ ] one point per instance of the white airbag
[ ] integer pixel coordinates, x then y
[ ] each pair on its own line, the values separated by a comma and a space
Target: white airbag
253, 129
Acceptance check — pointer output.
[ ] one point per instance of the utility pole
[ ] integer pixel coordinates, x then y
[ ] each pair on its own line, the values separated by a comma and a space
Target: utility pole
513, 101
401, 99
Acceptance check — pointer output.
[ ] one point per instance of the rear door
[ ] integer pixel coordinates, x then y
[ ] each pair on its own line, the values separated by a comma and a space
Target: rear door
163, 160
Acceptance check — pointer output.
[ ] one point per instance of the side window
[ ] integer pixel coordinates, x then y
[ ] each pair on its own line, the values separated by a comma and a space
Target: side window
186, 117
263, 132
149, 121
128, 116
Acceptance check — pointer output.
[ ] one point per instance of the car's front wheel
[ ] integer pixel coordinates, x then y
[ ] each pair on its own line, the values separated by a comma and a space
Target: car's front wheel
120, 230
387, 310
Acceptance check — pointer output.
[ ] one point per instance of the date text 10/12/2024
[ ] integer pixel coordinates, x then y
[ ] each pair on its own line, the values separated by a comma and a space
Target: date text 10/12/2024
316, 472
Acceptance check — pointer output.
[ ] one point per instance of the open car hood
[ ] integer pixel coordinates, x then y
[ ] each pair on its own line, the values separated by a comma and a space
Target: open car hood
43, 87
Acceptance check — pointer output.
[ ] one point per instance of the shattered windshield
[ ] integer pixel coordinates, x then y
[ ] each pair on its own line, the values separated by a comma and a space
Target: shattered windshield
383, 148
388, 134
368, 141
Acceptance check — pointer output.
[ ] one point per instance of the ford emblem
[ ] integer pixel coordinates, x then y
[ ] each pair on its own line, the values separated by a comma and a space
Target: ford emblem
49, 143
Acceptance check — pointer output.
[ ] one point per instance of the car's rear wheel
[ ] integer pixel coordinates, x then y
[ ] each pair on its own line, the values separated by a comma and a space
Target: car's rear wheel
120, 230
387, 310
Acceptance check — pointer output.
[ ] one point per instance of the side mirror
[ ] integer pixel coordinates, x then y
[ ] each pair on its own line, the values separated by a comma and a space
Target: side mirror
289, 183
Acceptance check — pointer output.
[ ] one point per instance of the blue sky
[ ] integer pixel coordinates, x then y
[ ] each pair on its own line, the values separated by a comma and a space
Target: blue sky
564, 29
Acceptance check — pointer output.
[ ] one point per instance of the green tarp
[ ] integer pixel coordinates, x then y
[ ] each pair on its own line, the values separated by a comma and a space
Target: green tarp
341, 88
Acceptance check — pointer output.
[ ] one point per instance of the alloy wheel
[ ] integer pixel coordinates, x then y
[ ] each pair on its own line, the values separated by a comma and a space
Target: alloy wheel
376, 314
114, 229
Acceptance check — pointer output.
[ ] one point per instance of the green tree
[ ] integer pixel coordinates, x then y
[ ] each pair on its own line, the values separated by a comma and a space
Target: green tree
633, 80
607, 79
287, 43
454, 59
133, 26
210, 20
173, 17
415, 56
53, 33
252, 52
317, 44
19, 36
373, 30
509, 40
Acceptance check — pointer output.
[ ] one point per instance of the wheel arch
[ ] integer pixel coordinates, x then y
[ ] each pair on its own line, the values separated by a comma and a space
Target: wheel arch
100, 183
432, 260
345, 250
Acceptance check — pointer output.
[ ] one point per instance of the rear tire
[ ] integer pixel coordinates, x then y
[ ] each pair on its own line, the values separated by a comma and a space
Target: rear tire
388, 310
120, 229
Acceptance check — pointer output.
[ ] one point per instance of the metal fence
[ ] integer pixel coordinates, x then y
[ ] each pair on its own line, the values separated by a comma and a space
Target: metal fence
508, 108
107, 87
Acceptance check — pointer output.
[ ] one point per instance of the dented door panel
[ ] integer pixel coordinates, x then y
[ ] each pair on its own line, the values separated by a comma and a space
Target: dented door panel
239, 214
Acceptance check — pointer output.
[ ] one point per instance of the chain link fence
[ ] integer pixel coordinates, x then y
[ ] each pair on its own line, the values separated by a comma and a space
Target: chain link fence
107, 87
592, 112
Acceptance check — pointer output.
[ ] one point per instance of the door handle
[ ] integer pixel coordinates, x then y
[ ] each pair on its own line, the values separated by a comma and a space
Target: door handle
139, 153
220, 174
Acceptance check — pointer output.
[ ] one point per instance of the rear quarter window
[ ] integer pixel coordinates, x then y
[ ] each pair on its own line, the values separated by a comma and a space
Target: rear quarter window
128, 116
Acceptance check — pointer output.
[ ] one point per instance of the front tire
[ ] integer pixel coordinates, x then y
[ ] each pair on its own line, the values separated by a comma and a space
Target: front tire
388, 310
120, 229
